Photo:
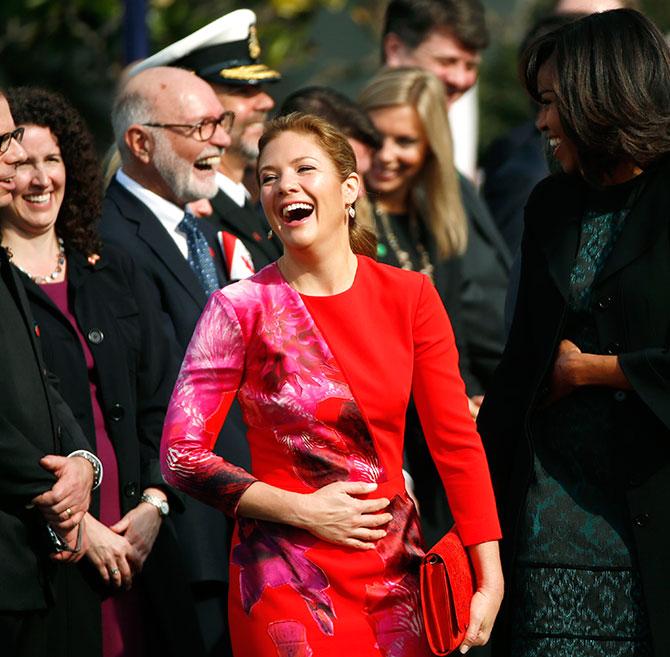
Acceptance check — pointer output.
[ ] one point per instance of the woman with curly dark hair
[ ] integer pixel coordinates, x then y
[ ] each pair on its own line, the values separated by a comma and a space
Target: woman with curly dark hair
115, 365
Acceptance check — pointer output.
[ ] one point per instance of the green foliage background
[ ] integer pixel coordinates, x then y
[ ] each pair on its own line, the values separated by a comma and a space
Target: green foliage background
76, 47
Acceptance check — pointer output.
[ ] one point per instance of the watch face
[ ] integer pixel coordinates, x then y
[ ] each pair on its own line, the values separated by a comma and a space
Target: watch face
165, 509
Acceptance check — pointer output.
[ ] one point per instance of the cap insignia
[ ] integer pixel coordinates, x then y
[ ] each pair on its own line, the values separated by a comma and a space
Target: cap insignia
254, 45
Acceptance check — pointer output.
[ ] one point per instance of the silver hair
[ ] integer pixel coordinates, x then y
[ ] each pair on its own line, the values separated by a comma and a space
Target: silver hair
129, 108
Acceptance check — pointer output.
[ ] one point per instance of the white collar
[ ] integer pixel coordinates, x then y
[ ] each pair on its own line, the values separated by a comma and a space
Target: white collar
168, 213
236, 191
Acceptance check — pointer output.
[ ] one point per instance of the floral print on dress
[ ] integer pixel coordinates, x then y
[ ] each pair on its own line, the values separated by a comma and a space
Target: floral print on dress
393, 603
293, 384
272, 554
204, 390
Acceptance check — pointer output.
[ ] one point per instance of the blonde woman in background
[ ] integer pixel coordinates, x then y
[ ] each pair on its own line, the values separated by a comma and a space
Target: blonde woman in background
420, 224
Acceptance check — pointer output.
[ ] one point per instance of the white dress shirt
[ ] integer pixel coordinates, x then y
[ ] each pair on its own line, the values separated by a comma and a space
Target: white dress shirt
236, 191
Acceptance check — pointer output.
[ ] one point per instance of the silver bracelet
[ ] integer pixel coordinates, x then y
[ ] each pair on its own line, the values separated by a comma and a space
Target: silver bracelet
95, 464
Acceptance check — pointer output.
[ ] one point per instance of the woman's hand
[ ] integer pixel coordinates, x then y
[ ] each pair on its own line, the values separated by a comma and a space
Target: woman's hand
563, 379
488, 596
139, 526
333, 514
110, 553
573, 368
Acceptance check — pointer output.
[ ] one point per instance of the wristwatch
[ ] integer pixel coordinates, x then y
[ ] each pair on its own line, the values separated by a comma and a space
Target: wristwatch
161, 504
95, 464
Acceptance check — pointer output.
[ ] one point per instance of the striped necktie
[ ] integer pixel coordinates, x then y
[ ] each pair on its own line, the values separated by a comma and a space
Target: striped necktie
199, 256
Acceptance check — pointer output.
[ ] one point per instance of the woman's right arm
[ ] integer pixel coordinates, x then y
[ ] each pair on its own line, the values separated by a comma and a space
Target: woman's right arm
208, 381
332, 513
206, 386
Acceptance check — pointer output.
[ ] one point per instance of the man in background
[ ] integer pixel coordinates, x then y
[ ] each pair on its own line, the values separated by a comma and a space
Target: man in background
446, 37
226, 54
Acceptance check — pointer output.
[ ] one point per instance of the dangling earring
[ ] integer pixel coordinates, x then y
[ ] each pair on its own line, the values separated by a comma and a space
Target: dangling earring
352, 212
270, 234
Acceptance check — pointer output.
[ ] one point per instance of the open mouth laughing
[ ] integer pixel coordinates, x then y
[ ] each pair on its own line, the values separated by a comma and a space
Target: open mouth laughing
294, 212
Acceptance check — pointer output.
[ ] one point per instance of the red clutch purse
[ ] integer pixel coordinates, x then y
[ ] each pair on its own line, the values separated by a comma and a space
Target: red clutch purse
447, 586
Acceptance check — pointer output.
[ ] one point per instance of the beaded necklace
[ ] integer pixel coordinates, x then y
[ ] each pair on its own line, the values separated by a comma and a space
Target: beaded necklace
49, 278
402, 256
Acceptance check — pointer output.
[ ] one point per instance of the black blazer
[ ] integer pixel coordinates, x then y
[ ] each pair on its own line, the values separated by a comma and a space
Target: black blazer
136, 363
34, 421
247, 224
128, 224
632, 300
136, 360
486, 266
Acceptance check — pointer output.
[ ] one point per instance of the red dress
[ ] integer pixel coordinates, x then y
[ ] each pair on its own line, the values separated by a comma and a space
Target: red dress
324, 384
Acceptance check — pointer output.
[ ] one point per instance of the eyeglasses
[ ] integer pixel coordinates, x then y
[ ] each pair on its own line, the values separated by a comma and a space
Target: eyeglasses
203, 130
6, 138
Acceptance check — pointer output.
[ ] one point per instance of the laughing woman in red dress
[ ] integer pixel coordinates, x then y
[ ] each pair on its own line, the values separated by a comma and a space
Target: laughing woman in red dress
323, 349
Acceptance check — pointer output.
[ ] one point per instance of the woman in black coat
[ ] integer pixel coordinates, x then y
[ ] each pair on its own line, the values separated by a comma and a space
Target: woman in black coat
577, 422
115, 364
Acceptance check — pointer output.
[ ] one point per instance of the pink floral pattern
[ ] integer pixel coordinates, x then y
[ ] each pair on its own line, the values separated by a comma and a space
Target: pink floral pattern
393, 603
270, 554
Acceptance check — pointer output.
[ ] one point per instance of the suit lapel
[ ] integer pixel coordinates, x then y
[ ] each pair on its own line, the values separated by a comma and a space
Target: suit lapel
18, 291
153, 234
558, 231
647, 217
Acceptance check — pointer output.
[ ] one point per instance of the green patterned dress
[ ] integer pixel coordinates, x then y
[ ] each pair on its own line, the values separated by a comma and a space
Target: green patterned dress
576, 589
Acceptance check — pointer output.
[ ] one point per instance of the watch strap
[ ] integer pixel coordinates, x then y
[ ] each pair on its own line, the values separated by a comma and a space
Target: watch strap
158, 502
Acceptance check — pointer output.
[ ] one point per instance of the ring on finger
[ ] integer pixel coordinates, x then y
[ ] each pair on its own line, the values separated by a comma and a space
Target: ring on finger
114, 571
68, 513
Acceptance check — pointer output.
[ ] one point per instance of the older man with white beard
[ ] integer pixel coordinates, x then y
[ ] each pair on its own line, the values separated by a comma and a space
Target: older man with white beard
226, 53
171, 131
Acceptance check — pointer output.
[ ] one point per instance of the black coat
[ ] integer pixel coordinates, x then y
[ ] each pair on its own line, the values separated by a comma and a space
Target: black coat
249, 225
33, 422
632, 301
513, 165
486, 266
136, 362
129, 224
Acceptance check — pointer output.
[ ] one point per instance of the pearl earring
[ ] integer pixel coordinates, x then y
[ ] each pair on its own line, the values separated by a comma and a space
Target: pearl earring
352, 212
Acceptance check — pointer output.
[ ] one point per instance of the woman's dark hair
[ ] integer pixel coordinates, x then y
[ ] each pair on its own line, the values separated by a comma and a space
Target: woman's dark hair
340, 111
82, 201
335, 144
612, 86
